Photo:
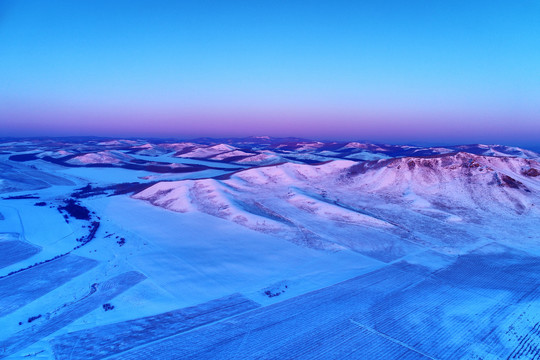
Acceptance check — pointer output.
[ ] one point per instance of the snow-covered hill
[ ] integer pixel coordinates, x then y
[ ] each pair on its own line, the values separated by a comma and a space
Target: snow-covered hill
364, 197
198, 151
457, 178
100, 157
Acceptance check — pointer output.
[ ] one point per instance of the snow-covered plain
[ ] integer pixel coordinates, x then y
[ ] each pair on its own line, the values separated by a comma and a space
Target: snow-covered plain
268, 248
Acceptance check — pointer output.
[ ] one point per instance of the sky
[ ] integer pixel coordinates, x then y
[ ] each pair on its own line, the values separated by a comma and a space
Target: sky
395, 71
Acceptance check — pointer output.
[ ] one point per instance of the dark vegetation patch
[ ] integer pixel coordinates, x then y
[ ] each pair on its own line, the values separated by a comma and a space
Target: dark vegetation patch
532, 172
304, 161
21, 197
88, 191
41, 203
129, 188
275, 290
511, 182
365, 166
163, 169
138, 161
121, 242
107, 307
74, 209
33, 318
226, 176
23, 157
271, 294
357, 169
155, 167
112, 190
470, 164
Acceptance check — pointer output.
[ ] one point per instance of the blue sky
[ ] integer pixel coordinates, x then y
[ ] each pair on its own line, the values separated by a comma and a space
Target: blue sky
441, 71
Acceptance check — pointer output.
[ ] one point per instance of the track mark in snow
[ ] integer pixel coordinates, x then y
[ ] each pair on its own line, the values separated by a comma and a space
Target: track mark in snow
395, 341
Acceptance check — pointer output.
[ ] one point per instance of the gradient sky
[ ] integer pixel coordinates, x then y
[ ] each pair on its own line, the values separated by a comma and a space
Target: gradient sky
431, 71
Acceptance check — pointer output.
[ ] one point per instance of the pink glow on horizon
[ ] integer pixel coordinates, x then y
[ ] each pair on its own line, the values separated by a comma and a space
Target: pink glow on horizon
377, 122
377, 125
